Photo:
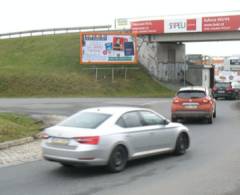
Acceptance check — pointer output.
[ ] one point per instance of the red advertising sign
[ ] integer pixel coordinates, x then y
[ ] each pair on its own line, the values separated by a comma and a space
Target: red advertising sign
221, 23
201, 24
191, 24
148, 27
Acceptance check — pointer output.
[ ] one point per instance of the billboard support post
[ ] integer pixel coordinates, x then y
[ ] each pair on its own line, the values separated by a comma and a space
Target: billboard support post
125, 75
96, 75
112, 74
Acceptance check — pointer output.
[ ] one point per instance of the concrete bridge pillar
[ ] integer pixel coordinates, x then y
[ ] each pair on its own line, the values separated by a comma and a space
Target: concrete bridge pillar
164, 61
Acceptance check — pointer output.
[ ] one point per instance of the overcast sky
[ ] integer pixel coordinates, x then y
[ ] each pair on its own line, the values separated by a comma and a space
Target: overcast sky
18, 15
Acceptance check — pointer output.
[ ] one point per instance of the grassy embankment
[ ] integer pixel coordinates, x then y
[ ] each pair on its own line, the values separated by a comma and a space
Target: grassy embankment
15, 126
48, 66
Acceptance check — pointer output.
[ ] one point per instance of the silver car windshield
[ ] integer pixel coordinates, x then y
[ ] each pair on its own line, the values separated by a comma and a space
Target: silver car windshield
88, 120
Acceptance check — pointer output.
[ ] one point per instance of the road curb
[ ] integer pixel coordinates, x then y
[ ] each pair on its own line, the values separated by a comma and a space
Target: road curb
17, 142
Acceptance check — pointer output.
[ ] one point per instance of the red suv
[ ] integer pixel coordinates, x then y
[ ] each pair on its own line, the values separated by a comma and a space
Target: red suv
193, 102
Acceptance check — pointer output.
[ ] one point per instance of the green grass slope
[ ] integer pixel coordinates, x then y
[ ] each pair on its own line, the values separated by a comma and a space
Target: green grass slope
16, 126
48, 66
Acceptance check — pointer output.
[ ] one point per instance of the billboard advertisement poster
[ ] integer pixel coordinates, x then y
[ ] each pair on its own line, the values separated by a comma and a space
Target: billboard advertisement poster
227, 76
107, 48
186, 25
148, 27
129, 49
182, 25
122, 23
221, 23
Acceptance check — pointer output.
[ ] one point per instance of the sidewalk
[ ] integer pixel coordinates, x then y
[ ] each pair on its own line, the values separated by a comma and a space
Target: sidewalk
20, 154
28, 151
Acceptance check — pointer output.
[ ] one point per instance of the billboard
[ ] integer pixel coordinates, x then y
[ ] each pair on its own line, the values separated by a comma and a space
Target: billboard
227, 76
182, 25
221, 23
167, 26
148, 27
185, 25
107, 48
122, 23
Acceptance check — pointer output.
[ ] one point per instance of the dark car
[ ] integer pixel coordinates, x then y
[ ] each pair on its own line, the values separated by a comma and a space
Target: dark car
236, 87
224, 90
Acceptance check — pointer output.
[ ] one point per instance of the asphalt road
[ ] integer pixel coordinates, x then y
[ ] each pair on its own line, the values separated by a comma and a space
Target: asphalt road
210, 167
68, 106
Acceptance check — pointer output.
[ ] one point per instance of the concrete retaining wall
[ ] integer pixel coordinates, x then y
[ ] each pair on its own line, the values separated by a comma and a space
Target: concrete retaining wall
164, 61
194, 76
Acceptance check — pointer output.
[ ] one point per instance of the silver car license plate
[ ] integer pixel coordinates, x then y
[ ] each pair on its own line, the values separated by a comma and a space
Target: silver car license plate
60, 141
221, 91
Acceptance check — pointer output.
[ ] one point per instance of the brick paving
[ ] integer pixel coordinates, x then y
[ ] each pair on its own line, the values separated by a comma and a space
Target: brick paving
20, 154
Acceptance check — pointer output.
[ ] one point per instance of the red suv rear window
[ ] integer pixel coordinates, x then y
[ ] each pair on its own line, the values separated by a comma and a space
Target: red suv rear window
189, 94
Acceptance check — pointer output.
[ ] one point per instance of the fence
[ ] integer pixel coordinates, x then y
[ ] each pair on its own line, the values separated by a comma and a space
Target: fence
53, 31
114, 73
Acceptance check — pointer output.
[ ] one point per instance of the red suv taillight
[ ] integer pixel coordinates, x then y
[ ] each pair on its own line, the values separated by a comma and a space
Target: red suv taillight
176, 101
229, 88
205, 101
92, 140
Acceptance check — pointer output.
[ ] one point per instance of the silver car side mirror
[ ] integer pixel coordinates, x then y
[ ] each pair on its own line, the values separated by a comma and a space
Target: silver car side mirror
165, 122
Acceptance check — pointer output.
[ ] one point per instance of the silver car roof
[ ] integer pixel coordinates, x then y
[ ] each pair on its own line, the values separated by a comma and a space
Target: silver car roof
113, 109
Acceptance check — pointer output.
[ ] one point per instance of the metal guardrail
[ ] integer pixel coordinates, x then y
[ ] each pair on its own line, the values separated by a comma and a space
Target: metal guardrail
53, 31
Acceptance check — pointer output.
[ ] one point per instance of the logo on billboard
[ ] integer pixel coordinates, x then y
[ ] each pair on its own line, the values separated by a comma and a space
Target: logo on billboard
181, 25
177, 25
191, 24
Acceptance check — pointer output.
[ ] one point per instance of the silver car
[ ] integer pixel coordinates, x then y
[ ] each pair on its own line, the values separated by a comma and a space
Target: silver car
112, 136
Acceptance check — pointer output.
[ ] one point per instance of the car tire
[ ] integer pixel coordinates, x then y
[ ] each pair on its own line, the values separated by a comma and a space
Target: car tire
182, 144
215, 113
66, 165
210, 119
118, 159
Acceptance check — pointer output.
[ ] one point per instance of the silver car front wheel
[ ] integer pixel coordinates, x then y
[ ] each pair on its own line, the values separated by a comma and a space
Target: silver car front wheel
182, 144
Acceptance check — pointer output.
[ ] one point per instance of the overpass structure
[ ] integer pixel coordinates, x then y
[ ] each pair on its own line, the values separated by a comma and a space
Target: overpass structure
197, 37
161, 41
